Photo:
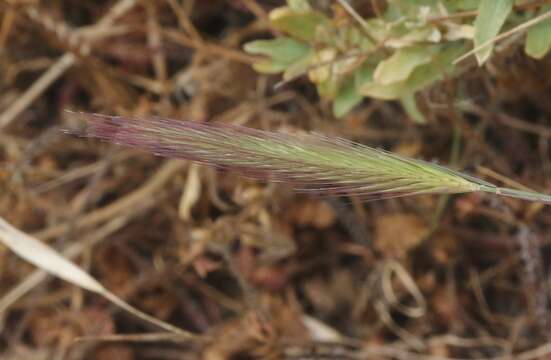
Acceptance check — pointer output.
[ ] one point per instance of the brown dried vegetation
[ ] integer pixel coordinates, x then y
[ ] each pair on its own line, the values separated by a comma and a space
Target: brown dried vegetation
256, 270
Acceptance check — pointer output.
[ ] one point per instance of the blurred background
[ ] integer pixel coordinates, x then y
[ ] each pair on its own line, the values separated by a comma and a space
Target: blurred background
260, 271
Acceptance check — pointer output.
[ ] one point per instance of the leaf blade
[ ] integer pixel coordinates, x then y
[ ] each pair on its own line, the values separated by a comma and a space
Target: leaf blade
538, 38
490, 19
400, 65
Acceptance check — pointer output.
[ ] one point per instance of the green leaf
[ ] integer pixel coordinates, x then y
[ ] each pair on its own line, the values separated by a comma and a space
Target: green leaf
400, 65
538, 39
299, 5
283, 50
299, 24
328, 88
283, 53
462, 5
491, 17
364, 75
347, 98
410, 106
421, 77
376, 28
270, 67
299, 67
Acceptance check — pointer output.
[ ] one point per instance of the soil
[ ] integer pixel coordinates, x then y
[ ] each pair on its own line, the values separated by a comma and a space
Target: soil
253, 269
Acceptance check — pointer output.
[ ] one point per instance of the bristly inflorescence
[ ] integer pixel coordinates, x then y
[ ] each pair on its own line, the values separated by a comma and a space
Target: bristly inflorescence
309, 162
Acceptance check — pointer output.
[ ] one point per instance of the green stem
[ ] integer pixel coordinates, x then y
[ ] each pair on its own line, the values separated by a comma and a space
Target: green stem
519, 194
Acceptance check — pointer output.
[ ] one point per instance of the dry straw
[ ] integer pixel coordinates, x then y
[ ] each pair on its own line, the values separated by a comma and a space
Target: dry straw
309, 162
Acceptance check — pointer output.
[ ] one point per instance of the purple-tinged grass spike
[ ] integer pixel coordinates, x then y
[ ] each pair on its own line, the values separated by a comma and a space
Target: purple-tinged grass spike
309, 162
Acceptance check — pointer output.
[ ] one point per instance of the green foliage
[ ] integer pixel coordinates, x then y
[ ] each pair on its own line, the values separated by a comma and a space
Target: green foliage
299, 21
422, 76
538, 39
283, 53
491, 17
412, 45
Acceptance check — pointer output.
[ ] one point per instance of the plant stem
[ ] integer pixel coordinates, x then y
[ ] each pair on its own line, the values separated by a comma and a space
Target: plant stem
519, 194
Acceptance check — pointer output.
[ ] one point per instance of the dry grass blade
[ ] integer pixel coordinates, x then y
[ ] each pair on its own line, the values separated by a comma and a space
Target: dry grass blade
310, 162
46, 258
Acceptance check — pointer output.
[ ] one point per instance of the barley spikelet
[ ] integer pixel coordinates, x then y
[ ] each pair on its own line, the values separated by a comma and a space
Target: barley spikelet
309, 162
